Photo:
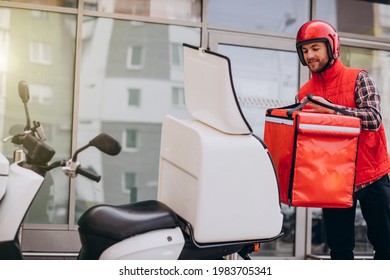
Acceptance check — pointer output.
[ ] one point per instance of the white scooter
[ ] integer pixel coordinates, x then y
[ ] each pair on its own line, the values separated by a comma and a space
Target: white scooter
217, 191
20, 181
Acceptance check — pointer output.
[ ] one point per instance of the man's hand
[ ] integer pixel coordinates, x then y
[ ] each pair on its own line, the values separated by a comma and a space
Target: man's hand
318, 108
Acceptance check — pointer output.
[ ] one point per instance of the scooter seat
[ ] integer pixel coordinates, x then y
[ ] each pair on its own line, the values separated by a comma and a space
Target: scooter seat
120, 222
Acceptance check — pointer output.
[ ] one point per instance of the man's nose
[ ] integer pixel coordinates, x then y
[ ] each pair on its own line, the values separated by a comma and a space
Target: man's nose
310, 53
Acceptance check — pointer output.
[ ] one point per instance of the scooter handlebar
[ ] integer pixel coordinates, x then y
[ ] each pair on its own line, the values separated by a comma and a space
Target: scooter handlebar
88, 174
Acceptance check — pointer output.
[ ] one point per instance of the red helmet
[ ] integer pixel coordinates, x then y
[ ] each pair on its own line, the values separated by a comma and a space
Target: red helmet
315, 31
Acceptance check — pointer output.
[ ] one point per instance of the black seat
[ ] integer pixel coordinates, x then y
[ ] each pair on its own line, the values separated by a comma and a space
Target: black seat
120, 222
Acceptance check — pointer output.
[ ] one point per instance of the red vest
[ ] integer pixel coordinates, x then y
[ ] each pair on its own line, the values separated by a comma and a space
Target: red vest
337, 84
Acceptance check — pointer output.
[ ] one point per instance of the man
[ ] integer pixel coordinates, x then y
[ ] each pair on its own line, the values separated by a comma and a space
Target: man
318, 47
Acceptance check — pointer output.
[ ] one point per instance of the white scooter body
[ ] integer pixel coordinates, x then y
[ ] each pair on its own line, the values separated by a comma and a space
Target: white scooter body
21, 188
163, 244
4, 169
214, 173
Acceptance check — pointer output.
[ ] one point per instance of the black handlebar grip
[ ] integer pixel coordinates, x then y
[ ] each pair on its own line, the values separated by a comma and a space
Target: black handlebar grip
88, 174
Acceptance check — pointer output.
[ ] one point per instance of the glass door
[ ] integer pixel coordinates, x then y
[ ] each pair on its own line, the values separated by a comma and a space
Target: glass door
266, 75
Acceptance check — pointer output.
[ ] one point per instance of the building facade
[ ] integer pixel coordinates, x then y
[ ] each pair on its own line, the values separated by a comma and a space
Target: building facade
116, 66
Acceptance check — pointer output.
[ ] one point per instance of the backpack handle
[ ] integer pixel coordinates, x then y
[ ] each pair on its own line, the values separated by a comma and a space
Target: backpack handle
310, 98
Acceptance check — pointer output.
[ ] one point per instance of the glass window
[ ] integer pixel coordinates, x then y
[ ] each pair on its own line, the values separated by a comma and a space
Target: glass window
130, 181
39, 15
178, 96
134, 57
40, 53
60, 3
262, 79
377, 63
131, 139
41, 94
130, 186
134, 97
108, 86
356, 16
4, 44
259, 15
265, 79
5, 15
50, 80
2, 85
177, 55
188, 10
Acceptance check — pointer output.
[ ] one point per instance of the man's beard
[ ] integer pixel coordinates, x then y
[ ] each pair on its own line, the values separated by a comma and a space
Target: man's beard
323, 66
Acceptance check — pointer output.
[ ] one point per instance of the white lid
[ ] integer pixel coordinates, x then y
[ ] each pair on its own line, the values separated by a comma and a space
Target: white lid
209, 91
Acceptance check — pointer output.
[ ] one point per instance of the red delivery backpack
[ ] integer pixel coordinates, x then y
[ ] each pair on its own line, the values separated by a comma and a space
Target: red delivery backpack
314, 155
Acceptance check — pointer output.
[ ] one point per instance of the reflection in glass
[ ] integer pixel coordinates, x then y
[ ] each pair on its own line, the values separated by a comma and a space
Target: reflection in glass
265, 79
259, 15
46, 64
355, 16
188, 10
131, 77
377, 63
262, 79
59, 3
